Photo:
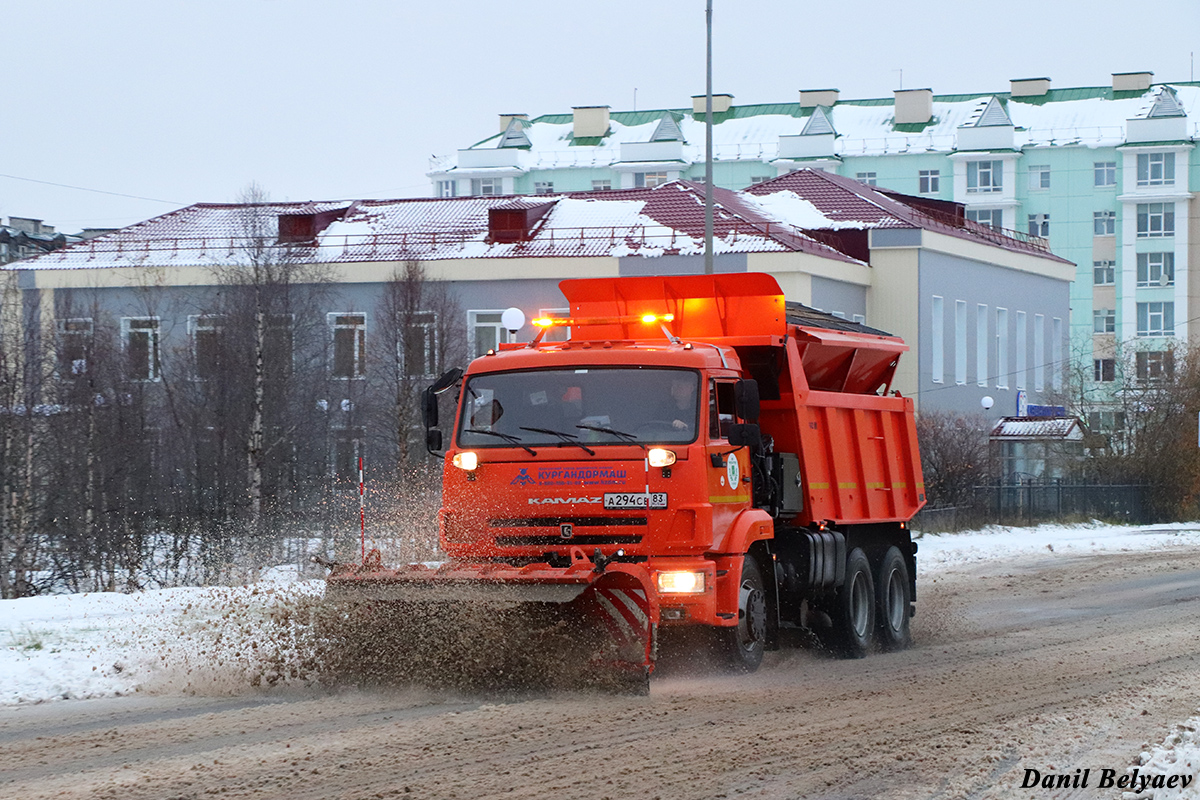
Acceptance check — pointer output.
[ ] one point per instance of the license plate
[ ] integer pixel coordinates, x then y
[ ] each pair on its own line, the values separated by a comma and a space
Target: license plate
634, 499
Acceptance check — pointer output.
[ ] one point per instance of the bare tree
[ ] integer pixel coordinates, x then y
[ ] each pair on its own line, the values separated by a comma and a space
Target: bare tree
954, 455
421, 335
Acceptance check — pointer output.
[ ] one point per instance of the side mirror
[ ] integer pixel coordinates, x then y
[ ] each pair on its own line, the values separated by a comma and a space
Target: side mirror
448, 379
745, 435
433, 440
745, 399
429, 408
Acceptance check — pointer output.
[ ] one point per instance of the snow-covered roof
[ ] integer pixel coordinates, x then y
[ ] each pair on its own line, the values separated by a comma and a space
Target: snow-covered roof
804, 211
1038, 428
1090, 116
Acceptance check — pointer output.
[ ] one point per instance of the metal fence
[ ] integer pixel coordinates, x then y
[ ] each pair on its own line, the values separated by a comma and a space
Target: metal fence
1028, 503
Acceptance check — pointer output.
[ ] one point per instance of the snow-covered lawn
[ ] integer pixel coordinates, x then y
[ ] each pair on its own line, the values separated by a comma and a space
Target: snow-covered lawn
217, 639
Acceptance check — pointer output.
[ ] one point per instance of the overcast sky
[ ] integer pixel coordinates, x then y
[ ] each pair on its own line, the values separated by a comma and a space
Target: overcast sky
180, 103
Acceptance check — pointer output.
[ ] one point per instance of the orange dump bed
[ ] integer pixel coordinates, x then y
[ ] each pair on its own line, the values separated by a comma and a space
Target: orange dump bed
825, 382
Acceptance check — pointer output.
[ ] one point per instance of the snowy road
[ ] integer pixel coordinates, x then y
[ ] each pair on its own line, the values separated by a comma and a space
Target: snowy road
1053, 661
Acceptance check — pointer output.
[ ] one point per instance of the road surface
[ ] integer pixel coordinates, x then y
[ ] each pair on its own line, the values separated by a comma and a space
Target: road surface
1055, 663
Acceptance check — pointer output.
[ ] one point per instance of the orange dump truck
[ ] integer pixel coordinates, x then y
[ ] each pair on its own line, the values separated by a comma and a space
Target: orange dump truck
695, 452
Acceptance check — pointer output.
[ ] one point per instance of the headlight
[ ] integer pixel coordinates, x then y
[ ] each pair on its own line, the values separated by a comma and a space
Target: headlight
681, 582
466, 460
660, 457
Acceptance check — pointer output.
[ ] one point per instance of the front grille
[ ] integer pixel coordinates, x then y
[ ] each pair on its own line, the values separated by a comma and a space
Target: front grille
558, 541
554, 522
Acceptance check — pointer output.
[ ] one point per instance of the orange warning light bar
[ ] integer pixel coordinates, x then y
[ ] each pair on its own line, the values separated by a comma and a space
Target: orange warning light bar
559, 322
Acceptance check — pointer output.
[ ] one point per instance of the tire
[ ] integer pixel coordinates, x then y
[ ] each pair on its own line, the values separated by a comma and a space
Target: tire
853, 609
742, 645
893, 598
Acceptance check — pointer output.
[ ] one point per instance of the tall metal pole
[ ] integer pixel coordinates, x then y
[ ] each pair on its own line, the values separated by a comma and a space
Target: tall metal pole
708, 154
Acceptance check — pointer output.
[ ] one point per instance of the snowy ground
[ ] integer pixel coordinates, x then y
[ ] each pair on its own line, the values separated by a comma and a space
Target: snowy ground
221, 639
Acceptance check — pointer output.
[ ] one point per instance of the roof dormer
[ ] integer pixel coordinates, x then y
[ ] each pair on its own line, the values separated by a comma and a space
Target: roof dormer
514, 135
1165, 120
667, 130
988, 128
514, 221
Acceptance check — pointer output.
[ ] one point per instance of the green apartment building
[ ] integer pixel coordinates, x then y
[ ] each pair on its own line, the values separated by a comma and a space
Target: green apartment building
1103, 173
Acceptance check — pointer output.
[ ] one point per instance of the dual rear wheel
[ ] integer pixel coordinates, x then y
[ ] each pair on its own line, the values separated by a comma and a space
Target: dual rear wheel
871, 606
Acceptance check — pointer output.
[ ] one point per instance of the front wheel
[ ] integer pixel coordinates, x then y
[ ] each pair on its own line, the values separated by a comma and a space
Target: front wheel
742, 645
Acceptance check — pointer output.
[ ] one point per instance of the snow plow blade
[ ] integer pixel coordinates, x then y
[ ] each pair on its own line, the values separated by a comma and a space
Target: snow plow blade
493, 625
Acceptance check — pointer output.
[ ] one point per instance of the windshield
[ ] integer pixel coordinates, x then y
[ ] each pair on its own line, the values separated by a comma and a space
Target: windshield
596, 406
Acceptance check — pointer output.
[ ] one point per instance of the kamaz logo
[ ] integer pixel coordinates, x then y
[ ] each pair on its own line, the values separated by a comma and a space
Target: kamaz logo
555, 501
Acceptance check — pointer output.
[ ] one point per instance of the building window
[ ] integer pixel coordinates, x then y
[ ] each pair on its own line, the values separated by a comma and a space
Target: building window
1155, 269
487, 187
648, 180
757, 179
928, 181
1106, 421
1155, 319
349, 345
960, 342
1155, 220
345, 451
1039, 177
1104, 370
206, 345
1001, 348
991, 217
447, 188
1104, 273
1039, 352
1104, 223
1104, 320
1105, 173
601, 186
74, 344
1022, 353
1155, 365
1155, 169
417, 349
985, 176
1056, 353
981, 344
140, 336
486, 331
543, 187
938, 332
1039, 225
866, 177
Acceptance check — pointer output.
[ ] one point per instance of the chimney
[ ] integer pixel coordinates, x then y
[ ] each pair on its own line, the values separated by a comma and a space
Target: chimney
590, 121
1131, 81
811, 98
721, 103
1029, 87
914, 106
505, 119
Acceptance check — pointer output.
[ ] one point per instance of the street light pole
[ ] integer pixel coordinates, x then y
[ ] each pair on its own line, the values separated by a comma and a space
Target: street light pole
708, 153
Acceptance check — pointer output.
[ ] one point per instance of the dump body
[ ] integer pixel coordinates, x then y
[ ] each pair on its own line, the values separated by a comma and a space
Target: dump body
726, 453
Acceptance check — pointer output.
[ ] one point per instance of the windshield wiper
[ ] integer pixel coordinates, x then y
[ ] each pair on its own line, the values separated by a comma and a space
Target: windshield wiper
508, 437
629, 437
565, 438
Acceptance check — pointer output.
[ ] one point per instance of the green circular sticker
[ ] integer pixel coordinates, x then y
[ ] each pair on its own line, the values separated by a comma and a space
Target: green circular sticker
734, 471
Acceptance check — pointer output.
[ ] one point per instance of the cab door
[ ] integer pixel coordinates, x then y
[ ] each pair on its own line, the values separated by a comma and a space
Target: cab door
728, 468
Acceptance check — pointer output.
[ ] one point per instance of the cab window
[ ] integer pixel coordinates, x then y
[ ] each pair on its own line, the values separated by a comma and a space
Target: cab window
720, 409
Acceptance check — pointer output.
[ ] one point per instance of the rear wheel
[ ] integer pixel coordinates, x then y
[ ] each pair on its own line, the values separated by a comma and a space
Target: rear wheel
853, 609
894, 596
742, 645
